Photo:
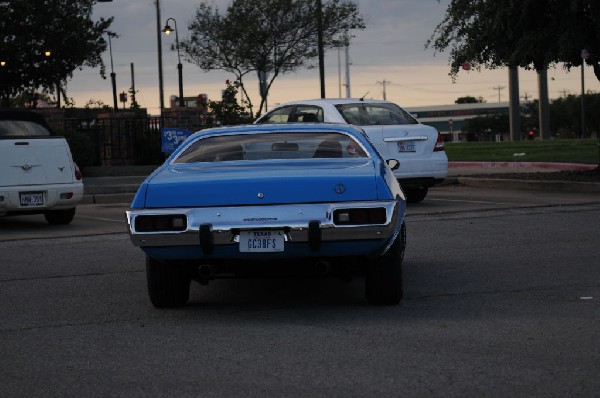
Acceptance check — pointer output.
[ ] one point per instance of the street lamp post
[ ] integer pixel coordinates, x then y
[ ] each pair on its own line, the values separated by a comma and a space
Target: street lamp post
167, 29
48, 54
113, 76
4, 100
161, 95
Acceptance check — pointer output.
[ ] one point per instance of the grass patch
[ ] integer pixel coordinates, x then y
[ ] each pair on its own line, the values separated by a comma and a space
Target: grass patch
561, 151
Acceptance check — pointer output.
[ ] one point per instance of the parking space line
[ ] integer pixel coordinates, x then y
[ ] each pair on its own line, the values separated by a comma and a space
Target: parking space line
101, 219
477, 202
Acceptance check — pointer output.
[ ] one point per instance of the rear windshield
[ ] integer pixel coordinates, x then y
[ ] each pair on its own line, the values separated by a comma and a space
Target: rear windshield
293, 145
21, 128
366, 114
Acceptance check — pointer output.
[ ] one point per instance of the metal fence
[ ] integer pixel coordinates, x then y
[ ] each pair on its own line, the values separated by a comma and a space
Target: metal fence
121, 141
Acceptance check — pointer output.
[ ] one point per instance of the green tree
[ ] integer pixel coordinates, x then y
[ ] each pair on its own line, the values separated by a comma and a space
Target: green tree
265, 36
43, 41
532, 34
469, 100
228, 111
566, 115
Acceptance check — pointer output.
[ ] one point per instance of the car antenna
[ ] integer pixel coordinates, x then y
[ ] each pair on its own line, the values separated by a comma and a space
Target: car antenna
363, 97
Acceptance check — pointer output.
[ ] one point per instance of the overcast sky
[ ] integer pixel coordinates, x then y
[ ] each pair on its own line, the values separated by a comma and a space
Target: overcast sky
390, 49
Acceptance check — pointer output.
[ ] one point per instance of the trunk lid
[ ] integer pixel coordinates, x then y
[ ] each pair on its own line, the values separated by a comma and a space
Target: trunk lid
35, 161
262, 183
411, 141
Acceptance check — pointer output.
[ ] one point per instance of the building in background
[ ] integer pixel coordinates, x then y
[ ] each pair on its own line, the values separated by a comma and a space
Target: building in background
450, 120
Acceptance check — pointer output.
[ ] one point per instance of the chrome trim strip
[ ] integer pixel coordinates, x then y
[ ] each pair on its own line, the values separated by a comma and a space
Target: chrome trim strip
403, 139
293, 219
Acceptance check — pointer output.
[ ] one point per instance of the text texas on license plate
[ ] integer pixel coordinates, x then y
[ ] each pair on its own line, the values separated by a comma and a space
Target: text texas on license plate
261, 241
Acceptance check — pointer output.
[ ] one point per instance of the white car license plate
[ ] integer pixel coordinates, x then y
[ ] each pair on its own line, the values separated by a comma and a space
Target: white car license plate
406, 147
31, 199
261, 241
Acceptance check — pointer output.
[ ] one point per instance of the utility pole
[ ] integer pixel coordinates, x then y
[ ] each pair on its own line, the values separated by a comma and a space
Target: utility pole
584, 56
514, 106
499, 88
320, 45
347, 53
133, 101
339, 54
384, 83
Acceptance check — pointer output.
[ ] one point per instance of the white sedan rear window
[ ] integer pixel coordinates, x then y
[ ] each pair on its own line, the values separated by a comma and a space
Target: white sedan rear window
294, 145
21, 128
368, 114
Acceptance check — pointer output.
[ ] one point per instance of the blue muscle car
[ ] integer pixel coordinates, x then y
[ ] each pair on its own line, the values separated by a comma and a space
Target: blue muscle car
270, 198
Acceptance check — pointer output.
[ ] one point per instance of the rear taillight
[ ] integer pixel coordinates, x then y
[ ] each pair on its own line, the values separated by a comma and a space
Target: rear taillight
77, 172
439, 144
359, 216
156, 223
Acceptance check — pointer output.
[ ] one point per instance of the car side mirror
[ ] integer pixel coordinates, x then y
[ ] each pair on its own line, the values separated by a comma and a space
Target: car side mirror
393, 164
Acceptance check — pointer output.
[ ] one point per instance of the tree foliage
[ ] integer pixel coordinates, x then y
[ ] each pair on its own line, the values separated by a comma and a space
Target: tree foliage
565, 119
272, 36
469, 100
518, 33
30, 28
565, 115
228, 111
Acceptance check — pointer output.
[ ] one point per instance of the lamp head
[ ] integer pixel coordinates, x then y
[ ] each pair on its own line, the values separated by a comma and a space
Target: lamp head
167, 29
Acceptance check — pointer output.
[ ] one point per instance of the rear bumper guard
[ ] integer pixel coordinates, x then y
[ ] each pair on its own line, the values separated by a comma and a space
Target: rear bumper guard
310, 223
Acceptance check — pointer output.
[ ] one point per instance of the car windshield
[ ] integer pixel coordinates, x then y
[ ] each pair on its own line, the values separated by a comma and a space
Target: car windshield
21, 128
367, 114
271, 146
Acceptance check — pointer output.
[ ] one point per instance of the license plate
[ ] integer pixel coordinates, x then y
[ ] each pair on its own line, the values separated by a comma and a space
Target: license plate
31, 199
261, 241
406, 147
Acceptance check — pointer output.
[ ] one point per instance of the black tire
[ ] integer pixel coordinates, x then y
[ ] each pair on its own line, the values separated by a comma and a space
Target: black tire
415, 194
60, 217
383, 279
168, 285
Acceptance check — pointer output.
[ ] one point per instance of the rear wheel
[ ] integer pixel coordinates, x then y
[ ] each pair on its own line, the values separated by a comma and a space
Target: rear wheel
60, 217
415, 194
168, 285
383, 279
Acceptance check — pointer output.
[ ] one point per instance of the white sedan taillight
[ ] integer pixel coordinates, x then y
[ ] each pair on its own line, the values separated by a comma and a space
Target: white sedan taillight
439, 144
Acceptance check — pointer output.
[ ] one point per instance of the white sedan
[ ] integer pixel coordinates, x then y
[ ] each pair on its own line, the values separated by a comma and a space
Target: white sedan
418, 149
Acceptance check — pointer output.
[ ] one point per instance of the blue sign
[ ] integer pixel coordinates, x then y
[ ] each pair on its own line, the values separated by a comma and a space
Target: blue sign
172, 138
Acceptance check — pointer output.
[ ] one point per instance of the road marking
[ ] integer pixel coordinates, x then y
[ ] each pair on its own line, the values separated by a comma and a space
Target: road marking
100, 218
479, 202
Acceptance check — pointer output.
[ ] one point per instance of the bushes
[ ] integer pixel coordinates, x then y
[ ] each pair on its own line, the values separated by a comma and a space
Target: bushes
82, 148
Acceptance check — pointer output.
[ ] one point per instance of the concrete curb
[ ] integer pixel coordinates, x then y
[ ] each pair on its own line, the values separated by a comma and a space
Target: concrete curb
107, 198
538, 185
521, 166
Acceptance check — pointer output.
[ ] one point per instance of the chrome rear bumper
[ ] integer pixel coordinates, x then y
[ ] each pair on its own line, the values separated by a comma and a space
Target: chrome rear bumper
306, 223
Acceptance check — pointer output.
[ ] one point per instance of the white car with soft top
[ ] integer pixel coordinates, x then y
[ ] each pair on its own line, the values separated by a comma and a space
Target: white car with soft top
37, 172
